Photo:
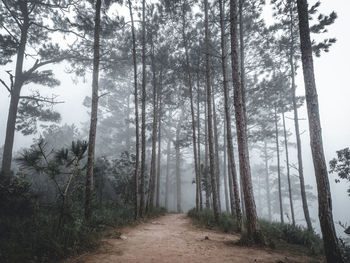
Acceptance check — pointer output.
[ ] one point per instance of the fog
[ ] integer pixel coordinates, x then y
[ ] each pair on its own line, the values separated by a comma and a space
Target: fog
331, 72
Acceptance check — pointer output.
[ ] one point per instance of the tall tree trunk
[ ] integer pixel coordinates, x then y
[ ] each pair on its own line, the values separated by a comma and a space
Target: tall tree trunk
233, 181
288, 170
210, 124
189, 79
242, 55
324, 193
199, 145
15, 94
278, 167
217, 159
136, 102
296, 125
252, 219
242, 68
93, 122
177, 165
153, 172
159, 138
143, 125
167, 173
206, 159
127, 126
267, 178
227, 201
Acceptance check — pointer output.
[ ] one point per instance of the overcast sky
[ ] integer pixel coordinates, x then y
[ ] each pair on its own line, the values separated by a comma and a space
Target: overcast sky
332, 73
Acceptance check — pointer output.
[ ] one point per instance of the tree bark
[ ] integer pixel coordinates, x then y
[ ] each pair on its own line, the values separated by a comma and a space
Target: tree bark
227, 201
153, 172
199, 145
167, 173
143, 125
177, 165
217, 159
288, 170
206, 155
324, 194
278, 167
210, 124
252, 220
159, 138
136, 101
233, 181
93, 122
267, 178
189, 79
297, 132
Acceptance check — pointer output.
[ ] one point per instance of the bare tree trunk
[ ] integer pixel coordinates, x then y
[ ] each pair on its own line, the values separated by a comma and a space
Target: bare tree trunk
143, 125
15, 94
206, 159
227, 201
177, 166
267, 177
253, 228
136, 101
242, 68
297, 132
153, 172
199, 146
217, 159
127, 128
278, 167
324, 194
167, 173
159, 138
210, 124
93, 122
288, 170
233, 181
189, 79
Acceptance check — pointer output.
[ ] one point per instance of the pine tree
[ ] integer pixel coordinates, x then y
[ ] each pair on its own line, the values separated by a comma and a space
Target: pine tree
324, 194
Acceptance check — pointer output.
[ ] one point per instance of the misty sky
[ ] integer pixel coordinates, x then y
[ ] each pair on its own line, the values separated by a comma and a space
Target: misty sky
332, 72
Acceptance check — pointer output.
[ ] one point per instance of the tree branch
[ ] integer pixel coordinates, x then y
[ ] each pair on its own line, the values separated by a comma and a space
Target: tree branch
41, 99
5, 85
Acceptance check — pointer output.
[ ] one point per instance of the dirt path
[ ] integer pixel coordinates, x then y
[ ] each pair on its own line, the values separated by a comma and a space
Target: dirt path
173, 238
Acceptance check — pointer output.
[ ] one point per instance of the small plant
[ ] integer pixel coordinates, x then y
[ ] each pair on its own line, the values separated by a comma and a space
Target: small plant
206, 219
293, 234
60, 166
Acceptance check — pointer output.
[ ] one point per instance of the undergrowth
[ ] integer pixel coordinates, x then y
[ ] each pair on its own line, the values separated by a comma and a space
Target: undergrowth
28, 228
206, 219
274, 233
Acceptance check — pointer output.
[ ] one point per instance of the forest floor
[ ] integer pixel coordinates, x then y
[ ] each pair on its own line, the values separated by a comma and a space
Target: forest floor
173, 238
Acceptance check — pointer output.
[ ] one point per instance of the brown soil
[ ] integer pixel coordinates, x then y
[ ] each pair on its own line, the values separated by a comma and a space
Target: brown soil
173, 238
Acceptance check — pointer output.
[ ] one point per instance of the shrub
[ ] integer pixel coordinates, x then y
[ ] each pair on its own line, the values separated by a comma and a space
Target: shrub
205, 218
291, 234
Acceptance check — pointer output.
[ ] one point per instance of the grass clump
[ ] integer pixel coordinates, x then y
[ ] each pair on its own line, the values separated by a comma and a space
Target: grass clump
292, 234
206, 219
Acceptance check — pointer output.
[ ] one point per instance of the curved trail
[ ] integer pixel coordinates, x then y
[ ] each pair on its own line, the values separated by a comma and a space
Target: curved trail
173, 238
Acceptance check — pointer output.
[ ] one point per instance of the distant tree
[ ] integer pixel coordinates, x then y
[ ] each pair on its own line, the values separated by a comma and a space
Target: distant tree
341, 165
